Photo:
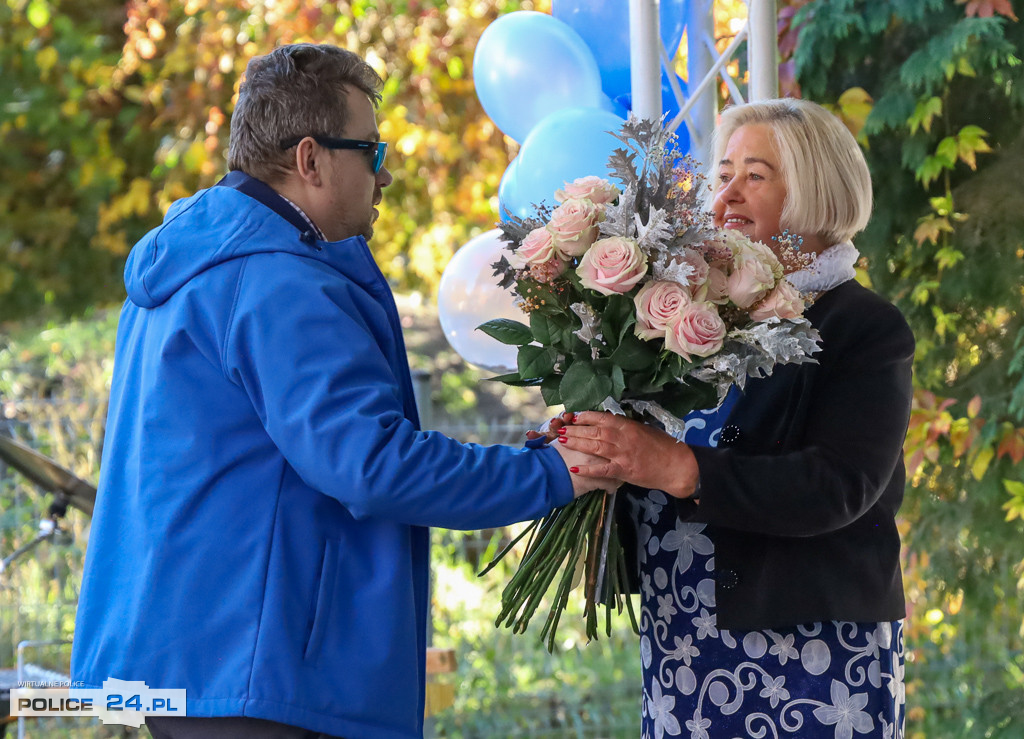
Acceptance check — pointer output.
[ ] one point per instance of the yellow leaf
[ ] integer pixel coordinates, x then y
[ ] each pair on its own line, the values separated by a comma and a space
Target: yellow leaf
974, 407
981, 462
46, 59
930, 228
855, 105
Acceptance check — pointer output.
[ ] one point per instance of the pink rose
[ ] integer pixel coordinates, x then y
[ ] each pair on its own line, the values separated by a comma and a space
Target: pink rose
782, 302
612, 265
658, 304
595, 189
699, 331
715, 288
537, 248
755, 270
573, 226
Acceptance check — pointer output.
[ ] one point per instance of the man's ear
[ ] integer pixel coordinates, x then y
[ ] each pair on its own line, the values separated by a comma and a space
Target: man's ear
307, 162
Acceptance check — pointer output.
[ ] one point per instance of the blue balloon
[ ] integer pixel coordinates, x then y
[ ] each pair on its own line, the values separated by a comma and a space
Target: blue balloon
566, 145
604, 26
527, 65
669, 108
669, 104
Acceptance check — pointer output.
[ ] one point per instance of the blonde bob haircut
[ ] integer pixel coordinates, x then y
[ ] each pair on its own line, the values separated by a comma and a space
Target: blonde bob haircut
828, 186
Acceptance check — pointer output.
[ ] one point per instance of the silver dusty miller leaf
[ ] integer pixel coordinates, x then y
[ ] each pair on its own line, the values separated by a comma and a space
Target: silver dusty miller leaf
656, 233
756, 350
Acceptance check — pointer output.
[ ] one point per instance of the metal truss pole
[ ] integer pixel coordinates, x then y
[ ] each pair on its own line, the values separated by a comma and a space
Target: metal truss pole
703, 103
763, 50
645, 58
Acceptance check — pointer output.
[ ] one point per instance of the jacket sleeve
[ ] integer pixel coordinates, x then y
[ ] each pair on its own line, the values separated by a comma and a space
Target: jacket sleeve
300, 345
852, 442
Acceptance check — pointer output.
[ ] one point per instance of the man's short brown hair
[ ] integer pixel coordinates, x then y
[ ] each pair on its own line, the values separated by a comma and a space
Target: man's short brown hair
295, 90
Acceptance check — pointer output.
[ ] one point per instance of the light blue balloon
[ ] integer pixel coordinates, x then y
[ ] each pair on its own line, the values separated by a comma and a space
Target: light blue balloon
527, 65
509, 202
604, 26
566, 145
615, 106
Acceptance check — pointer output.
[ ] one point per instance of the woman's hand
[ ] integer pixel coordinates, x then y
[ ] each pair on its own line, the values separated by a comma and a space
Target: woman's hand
634, 452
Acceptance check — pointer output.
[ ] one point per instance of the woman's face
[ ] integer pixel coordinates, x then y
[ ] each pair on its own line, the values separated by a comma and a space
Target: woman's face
751, 191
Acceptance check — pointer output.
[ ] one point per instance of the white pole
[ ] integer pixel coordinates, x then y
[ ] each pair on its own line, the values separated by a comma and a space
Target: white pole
645, 65
703, 103
762, 51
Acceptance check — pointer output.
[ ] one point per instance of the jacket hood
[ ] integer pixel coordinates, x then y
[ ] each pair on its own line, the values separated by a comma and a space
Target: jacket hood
215, 226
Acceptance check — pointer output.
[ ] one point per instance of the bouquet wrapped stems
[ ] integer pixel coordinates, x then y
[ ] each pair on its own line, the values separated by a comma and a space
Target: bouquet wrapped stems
576, 542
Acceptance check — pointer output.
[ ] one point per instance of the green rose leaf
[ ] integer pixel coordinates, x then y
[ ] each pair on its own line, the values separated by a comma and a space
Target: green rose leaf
515, 380
618, 383
550, 390
507, 331
541, 325
680, 399
634, 354
617, 318
536, 361
553, 329
583, 389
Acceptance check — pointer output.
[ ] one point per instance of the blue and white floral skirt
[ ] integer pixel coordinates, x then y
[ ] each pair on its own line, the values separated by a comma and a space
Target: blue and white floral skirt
834, 680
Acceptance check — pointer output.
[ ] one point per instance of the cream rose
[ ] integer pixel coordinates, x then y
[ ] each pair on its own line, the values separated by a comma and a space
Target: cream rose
595, 189
699, 331
573, 226
782, 302
755, 270
612, 265
658, 304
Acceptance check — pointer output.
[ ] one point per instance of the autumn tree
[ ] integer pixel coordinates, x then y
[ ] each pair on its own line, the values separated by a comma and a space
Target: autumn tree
112, 111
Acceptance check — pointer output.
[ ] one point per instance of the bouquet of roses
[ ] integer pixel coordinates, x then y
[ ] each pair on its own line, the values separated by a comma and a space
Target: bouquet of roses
636, 305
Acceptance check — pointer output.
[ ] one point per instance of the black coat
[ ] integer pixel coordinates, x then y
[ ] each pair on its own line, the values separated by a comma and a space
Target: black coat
801, 494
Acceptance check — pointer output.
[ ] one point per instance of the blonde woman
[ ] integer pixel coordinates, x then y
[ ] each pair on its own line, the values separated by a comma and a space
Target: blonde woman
772, 599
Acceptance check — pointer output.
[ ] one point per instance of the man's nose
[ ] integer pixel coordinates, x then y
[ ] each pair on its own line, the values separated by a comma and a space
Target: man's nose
384, 177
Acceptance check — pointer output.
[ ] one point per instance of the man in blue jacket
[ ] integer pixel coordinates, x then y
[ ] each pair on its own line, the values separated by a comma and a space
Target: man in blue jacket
260, 531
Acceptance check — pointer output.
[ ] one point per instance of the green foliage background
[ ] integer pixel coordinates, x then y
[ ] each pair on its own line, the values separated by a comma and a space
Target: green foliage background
110, 110
935, 91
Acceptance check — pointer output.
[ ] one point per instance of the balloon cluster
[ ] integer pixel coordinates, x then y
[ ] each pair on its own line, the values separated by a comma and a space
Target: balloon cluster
558, 84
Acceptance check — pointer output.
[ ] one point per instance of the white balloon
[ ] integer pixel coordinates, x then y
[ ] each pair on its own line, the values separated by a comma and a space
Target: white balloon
469, 296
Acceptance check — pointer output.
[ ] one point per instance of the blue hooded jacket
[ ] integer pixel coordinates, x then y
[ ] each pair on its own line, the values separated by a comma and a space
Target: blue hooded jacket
259, 535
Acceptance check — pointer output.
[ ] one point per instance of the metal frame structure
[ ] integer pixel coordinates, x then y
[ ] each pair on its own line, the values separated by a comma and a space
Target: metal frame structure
705, 64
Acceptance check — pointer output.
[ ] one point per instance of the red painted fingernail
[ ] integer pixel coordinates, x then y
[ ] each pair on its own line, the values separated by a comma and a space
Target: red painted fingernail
572, 418
561, 431
574, 470
562, 440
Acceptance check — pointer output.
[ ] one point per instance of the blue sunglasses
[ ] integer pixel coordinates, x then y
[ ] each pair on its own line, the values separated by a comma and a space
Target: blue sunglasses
377, 149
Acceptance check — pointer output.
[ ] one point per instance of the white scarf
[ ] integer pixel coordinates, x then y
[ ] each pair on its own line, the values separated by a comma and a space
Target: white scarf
831, 268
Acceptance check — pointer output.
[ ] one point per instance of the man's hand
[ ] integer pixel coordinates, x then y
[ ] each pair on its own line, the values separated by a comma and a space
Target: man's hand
549, 432
582, 483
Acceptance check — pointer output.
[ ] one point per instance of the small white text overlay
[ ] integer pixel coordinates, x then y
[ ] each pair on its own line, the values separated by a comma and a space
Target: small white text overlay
125, 702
